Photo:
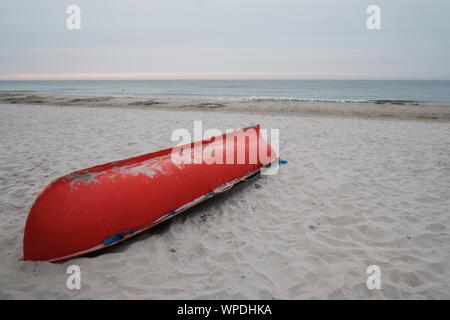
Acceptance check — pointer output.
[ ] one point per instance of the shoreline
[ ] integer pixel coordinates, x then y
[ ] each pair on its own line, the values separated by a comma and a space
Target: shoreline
383, 109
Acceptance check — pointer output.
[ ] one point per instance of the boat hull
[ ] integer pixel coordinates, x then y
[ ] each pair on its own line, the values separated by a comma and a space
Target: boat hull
101, 206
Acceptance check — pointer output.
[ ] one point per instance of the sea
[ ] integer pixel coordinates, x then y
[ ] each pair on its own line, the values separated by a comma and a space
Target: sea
420, 91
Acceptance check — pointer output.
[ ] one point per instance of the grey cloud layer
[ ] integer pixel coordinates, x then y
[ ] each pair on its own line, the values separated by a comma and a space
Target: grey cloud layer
323, 38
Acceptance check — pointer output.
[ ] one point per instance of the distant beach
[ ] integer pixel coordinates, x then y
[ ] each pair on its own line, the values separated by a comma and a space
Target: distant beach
397, 109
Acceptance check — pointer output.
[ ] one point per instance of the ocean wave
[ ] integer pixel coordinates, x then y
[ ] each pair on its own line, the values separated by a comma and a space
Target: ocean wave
295, 99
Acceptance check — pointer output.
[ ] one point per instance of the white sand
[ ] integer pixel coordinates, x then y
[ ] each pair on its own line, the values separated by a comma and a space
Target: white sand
355, 192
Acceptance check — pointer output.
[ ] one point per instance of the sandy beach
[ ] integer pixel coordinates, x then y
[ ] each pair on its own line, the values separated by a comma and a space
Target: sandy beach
365, 184
380, 109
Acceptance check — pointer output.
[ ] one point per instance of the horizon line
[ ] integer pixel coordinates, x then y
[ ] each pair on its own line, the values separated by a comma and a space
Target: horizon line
135, 76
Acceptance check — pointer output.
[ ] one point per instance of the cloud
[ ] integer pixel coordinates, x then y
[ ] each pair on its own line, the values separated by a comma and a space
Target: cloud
224, 38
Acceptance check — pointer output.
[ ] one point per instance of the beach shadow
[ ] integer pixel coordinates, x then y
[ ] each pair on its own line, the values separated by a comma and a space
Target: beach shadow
217, 200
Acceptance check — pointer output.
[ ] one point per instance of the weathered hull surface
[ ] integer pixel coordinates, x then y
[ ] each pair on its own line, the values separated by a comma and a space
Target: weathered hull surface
100, 206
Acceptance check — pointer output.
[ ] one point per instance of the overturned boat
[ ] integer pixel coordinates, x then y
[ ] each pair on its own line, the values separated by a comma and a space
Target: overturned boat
98, 207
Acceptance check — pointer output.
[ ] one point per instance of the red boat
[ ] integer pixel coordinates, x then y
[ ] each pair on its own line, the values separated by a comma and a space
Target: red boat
103, 205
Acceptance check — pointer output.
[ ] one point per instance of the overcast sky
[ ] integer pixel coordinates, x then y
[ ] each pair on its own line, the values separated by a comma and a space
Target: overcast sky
225, 39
